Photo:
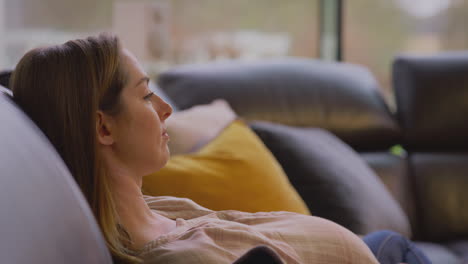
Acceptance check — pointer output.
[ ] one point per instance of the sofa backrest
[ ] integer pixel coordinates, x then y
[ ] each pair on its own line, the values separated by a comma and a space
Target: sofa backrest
339, 97
44, 216
432, 100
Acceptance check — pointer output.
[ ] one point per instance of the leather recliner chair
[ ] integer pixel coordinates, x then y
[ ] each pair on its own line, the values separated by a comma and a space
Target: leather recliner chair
432, 99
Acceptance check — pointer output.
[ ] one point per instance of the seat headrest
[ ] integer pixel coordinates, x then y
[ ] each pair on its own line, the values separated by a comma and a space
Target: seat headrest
432, 100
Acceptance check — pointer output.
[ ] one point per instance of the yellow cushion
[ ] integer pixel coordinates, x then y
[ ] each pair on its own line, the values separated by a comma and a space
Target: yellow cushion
235, 171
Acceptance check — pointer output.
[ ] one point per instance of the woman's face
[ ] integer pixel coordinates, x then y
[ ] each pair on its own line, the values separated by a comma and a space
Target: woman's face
139, 132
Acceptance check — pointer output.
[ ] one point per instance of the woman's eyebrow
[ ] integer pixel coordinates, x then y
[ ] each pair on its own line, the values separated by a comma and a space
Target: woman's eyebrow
146, 78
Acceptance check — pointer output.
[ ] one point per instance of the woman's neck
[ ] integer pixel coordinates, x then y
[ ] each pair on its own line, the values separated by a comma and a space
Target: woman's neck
142, 224
129, 200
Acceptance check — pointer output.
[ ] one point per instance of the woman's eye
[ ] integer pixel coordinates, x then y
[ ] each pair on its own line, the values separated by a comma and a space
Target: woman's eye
148, 96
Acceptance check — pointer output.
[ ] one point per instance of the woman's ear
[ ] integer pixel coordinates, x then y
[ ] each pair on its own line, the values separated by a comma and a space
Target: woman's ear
104, 129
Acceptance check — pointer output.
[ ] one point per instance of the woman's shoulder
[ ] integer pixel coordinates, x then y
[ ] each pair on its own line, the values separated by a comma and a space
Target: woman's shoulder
175, 207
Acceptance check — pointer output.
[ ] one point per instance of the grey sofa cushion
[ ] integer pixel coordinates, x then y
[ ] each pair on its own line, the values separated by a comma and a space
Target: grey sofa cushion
44, 216
333, 179
438, 253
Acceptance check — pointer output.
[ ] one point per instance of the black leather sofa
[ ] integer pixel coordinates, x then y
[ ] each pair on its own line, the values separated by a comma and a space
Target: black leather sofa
428, 179
429, 174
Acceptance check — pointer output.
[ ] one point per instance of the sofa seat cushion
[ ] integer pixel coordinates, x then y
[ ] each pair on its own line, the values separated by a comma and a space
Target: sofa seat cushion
441, 185
392, 169
460, 248
438, 253
333, 179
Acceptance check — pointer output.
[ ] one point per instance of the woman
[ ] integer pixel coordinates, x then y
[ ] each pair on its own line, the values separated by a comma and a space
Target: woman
91, 99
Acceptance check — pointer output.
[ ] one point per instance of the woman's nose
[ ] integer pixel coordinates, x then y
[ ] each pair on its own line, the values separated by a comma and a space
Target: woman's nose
164, 109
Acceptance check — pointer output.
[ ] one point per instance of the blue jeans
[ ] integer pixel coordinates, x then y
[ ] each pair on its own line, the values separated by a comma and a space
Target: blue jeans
392, 248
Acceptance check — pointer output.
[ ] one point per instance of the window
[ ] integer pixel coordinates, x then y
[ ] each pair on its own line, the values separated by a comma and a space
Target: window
375, 31
196, 31
166, 32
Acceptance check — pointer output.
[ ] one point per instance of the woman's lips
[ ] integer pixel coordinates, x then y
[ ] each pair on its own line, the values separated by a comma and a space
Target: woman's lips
165, 134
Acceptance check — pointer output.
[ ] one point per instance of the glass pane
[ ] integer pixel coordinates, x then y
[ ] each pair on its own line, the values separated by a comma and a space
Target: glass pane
25, 24
377, 30
166, 32
195, 31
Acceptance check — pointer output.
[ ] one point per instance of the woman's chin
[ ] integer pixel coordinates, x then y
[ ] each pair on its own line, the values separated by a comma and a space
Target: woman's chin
162, 161
159, 162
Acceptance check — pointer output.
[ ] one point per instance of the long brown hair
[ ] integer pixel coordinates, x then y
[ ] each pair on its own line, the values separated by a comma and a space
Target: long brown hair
61, 88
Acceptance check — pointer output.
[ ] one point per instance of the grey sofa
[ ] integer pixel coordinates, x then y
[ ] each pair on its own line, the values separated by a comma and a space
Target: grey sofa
44, 217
